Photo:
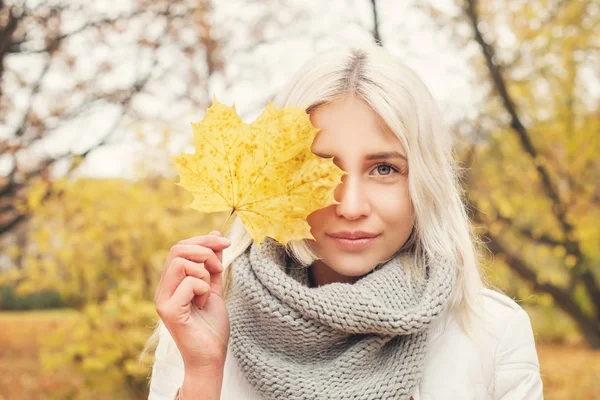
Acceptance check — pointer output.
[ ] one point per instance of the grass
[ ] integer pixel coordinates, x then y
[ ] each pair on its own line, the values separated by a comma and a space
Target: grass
568, 371
20, 333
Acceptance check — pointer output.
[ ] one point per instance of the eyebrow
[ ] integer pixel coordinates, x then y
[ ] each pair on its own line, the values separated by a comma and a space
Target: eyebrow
374, 156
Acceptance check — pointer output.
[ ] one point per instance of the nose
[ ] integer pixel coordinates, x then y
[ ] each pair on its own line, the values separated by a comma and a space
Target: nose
352, 198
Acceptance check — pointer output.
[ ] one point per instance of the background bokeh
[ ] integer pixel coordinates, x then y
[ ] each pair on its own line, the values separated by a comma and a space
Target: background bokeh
96, 96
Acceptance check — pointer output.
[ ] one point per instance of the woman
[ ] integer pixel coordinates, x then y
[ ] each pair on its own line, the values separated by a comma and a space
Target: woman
386, 302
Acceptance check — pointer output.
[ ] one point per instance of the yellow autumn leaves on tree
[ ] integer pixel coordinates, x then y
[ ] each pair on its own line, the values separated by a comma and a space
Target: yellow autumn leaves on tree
264, 172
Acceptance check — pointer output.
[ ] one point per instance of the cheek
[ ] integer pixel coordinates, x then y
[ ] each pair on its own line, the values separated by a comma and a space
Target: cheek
317, 219
393, 204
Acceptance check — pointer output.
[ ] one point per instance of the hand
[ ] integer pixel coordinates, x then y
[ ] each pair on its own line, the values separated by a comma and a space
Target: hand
189, 300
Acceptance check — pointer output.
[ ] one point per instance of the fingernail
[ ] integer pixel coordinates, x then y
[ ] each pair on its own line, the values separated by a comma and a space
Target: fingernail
224, 240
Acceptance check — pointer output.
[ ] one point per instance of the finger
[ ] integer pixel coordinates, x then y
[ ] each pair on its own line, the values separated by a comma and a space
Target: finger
187, 290
209, 241
179, 269
217, 280
195, 253
206, 240
173, 273
218, 253
216, 285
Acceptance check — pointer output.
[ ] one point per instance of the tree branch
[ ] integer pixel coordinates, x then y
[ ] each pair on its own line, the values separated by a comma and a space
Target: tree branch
376, 35
34, 91
6, 35
495, 71
589, 326
572, 246
528, 233
7, 227
560, 295
16, 47
12, 186
587, 276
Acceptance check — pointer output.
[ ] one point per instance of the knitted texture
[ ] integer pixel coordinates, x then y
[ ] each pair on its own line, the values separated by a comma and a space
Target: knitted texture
365, 340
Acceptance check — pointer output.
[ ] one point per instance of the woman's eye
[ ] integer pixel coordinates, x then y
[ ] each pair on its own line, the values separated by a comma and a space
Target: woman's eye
385, 169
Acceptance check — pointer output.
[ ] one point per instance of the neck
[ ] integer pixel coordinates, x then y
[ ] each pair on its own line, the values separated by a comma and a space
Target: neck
321, 274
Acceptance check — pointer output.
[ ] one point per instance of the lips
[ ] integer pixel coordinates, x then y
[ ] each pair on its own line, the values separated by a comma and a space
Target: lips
353, 235
353, 241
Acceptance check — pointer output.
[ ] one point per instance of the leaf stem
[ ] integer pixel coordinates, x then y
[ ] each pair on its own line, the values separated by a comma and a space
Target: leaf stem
222, 230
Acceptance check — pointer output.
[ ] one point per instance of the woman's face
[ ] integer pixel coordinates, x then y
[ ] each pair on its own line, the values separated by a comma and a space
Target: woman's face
374, 216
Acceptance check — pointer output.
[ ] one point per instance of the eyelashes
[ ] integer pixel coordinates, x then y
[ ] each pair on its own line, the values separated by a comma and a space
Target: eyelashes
393, 169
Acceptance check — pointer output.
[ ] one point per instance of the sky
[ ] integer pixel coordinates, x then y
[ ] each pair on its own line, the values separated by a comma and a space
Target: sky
254, 73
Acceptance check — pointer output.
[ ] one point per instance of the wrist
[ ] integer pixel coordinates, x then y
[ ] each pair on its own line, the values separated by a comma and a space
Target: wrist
214, 369
202, 383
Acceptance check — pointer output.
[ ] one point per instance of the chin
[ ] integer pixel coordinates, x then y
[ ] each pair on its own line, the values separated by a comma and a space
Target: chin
352, 264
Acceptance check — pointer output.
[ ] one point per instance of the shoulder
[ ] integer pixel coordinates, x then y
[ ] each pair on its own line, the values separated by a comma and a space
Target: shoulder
508, 338
472, 354
503, 319
497, 301
498, 311
495, 315
501, 324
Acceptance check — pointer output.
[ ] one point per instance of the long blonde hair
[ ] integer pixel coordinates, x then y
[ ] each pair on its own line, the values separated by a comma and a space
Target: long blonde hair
403, 101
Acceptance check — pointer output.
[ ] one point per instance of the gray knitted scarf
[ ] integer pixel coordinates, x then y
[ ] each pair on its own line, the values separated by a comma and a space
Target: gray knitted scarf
365, 340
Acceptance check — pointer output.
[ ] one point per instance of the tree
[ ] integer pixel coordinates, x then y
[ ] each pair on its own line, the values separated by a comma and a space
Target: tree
70, 66
533, 165
532, 150
88, 236
101, 244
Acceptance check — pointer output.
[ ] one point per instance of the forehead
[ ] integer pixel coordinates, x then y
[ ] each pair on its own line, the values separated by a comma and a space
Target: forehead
350, 123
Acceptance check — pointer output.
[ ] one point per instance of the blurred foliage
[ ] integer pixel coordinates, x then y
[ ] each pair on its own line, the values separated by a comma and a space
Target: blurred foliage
103, 347
21, 334
551, 325
101, 244
9, 300
532, 149
90, 235
68, 64
569, 372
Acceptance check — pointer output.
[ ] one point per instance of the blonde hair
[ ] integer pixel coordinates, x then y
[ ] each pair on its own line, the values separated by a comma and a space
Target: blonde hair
405, 104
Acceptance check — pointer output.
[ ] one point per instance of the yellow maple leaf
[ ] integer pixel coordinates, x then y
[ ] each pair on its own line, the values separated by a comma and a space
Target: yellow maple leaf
264, 172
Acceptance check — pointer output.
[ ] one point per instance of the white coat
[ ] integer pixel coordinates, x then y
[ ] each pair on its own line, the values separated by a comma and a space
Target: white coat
501, 365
